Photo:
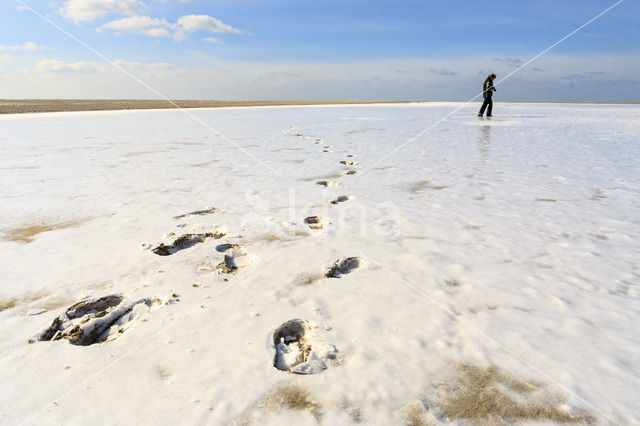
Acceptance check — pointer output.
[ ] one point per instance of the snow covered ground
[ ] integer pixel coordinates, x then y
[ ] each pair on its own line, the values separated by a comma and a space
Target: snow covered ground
489, 270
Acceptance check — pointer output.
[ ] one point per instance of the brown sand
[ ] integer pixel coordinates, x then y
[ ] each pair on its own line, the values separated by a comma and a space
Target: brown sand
493, 397
291, 397
19, 106
27, 233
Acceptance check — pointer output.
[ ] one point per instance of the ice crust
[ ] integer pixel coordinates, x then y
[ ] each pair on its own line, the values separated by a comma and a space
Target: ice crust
511, 243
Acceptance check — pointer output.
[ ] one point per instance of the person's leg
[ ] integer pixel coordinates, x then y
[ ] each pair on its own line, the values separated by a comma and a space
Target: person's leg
489, 102
483, 107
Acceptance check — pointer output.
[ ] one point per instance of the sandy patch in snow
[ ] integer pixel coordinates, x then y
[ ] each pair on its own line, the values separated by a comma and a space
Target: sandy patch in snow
424, 185
487, 395
27, 233
8, 303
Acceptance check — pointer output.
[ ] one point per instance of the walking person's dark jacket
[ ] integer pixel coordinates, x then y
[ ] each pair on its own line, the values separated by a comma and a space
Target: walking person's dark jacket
487, 88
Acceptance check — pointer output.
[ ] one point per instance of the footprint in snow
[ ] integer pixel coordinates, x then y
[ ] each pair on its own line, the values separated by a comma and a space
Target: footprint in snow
183, 242
210, 210
299, 350
235, 258
348, 163
221, 248
342, 199
329, 184
314, 222
96, 320
344, 266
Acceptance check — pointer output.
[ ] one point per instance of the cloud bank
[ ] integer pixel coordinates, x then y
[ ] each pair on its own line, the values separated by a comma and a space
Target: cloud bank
89, 10
26, 46
155, 69
180, 30
455, 79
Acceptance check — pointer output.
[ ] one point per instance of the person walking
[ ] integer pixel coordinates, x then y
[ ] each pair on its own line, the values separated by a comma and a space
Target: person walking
487, 91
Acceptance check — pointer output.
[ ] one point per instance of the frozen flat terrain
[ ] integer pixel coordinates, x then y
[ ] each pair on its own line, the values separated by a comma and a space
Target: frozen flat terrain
489, 270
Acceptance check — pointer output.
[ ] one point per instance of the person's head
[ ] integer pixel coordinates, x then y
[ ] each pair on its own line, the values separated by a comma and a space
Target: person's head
492, 76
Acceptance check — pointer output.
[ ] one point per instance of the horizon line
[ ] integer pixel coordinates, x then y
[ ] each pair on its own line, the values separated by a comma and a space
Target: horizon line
42, 105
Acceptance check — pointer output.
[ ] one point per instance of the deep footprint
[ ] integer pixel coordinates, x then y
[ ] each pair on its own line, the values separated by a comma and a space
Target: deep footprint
184, 242
344, 266
341, 199
329, 184
210, 210
95, 320
348, 163
221, 248
314, 222
236, 258
298, 351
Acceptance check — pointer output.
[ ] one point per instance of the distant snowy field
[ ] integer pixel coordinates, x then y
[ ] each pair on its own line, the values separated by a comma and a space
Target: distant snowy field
496, 270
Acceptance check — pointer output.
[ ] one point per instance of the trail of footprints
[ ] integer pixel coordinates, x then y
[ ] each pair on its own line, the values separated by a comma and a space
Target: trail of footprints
297, 344
298, 347
100, 320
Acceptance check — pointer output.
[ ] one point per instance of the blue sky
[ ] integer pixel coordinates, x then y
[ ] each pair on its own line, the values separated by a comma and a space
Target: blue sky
297, 49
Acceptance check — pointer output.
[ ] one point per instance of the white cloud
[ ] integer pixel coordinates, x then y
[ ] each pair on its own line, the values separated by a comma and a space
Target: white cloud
53, 65
213, 40
157, 32
191, 23
443, 71
88, 10
141, 65
159, 69
26, 46
180, 30
156, 69
153, 27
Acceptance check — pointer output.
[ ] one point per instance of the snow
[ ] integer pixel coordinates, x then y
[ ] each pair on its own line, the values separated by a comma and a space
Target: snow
510, 243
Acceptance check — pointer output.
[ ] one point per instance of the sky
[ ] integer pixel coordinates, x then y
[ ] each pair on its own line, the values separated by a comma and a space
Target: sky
330, 49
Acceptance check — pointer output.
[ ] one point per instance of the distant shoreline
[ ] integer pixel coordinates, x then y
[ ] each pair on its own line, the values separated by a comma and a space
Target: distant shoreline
24, 106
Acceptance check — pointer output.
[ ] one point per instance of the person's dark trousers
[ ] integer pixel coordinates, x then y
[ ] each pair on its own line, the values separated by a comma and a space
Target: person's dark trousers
487, 103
